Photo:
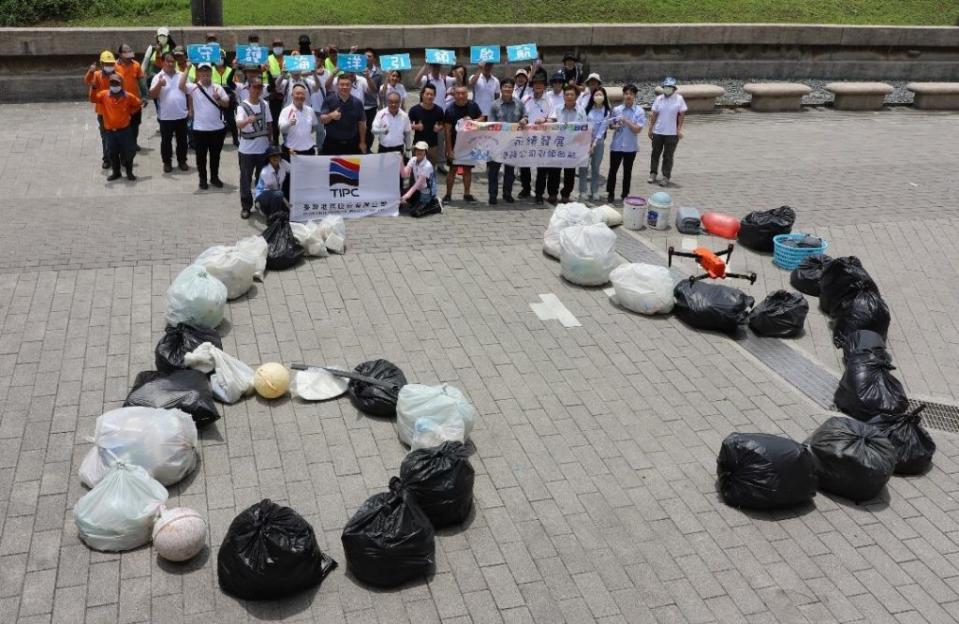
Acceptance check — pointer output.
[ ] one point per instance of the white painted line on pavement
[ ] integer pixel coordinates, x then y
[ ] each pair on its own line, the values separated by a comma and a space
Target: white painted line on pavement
550, 307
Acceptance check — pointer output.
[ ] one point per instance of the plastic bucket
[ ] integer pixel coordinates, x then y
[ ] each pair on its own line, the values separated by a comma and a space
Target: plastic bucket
634, 212
658, 214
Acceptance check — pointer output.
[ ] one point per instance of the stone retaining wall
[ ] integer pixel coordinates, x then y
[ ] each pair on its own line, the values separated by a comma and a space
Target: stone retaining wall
619, 52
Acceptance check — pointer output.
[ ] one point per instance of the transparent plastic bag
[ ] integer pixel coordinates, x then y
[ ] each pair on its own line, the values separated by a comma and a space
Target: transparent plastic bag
428, 433
309, 236
564, 216
195, 297
643, 288
161, 441
118, 514
333, 231
587, 254
232, 379
233, 266
440, 404
257, 247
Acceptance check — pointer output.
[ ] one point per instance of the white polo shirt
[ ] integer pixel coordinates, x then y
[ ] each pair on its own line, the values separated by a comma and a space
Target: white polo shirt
299, 135
537, 111
207, 116
172, 101
556, 101
667, 110
397, 127
484, 92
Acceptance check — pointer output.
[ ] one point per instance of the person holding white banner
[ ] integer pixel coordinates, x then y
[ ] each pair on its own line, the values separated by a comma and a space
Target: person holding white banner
297, 122
570, 113
507, 110
461, 108
538, 110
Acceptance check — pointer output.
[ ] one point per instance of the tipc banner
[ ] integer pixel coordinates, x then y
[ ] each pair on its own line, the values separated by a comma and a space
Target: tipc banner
348, 186
563, 145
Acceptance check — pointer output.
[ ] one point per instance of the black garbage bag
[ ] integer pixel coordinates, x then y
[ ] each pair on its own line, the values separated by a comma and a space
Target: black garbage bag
863, 341
186, 390
868, 388
180, 340
441, 481
842, 279
853, 459
283, 250
269, 552
389, 540
376, 400
762, 471
782, 315
757, 229
806, 277
865, 311
914, 446
711, 306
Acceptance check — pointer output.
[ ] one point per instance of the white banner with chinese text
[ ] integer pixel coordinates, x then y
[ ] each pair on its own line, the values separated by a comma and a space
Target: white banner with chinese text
348, 186
536, 145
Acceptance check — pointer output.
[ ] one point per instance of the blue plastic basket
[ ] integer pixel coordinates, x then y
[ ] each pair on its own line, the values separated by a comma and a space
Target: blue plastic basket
789, 257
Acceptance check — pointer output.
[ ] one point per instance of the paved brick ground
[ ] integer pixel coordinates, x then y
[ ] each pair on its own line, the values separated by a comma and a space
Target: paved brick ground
596, 447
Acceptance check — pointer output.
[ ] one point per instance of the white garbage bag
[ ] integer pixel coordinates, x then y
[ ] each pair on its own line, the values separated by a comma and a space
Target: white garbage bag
118, 514
587, 254
428, 433
439, 404
317, 384
643, 288
565, 215
610, 215
232, 379
161, 441
258, 248
333, 231
195, 297
309, 236
232, 266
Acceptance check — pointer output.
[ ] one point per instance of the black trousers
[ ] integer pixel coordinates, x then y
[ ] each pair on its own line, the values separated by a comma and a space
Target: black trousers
333, 147
615, 159
525, 179
666, 145
492, 176
370, 116
569, 183
287, 152
275, 107
208, 142
135, 122
250, 165
168, 129
121, 148
547, 178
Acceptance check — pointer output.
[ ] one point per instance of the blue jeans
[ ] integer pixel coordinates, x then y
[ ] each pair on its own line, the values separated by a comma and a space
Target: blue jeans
592, 169
492, 175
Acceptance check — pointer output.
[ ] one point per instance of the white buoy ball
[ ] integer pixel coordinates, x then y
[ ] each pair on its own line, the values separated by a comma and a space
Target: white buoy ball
271, 380
179, 534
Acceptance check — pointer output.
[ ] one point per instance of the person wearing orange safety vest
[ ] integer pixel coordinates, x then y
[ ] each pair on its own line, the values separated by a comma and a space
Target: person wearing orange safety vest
99, 80
117, 108
132, 74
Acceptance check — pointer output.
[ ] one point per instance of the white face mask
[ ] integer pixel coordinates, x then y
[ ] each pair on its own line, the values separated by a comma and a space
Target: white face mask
598, 99
127, 55
116, 88
277, 51
162, 39
108, 69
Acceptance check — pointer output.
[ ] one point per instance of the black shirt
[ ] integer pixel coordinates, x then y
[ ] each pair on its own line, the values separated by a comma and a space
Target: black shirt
429, 118
454, 113
345, 128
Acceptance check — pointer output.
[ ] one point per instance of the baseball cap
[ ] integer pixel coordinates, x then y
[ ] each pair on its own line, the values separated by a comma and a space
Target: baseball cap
179, 51
163, 30
594, 76
669, 81
523, 72
558, 77
204, 66
421, 145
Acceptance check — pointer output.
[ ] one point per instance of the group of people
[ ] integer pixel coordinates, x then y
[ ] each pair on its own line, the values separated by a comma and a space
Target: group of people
272, 114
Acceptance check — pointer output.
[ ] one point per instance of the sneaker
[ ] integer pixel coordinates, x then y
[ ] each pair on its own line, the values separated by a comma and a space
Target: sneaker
245, 213
203, 185
114, 176
664, 182
130, 176
492, 201
217, 182
167, 167
447, 199
184, 167
651, 179
508, 199
523, 194
469, 198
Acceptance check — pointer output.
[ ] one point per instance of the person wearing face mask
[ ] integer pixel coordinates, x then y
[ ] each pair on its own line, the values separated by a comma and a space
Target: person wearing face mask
117, 108
393, 84
598, 114
253, 121
153, 58
297, 122
132, 74
665, 130
209, 101
273, 71
99, 80
507, 109
173, 112
628, 120
593, 82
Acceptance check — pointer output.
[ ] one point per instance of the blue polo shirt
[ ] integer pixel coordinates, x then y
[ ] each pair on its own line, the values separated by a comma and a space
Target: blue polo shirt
345, 128
624, 139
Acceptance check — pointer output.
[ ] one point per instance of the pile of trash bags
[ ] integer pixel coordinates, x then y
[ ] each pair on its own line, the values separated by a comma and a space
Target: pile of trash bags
564, 216
807, 276
587, 254
321, 238
711, 306
757, 229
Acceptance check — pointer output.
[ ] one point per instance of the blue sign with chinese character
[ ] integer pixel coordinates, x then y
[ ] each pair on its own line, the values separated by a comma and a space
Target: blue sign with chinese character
251, 54
203, 53
399, 62
440, 57
521, 53
300, 63
351, 62
484, 54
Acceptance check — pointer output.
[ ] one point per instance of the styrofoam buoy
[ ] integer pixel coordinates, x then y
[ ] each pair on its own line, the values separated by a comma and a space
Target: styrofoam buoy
179, 534
271, 380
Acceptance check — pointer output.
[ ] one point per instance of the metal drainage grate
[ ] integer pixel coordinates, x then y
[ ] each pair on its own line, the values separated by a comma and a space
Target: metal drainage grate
938, 415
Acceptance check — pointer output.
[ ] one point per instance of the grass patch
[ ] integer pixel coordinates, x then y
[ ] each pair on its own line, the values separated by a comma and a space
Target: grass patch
297, 12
